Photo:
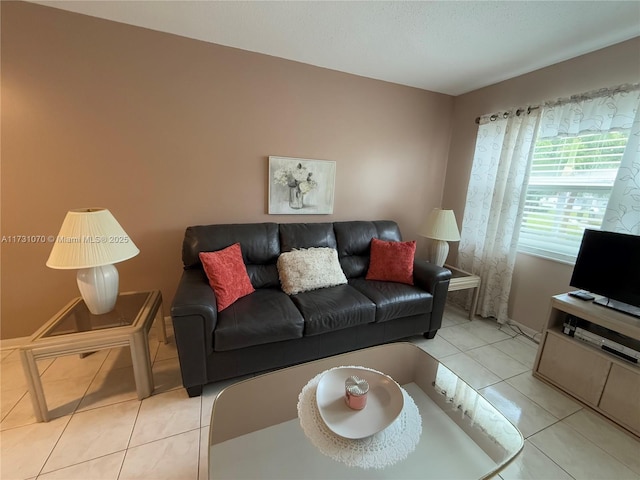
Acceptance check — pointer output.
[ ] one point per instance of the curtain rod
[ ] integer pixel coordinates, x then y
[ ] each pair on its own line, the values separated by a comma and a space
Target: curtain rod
495, 116
602, 92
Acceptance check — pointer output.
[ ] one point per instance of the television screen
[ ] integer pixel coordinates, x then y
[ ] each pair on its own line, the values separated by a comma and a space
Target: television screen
608, 264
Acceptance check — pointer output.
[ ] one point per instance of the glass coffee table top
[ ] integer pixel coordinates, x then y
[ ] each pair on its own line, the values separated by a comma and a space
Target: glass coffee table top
255, 431
78, 318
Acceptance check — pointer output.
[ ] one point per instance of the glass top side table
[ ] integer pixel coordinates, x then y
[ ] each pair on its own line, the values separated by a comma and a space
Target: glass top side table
74, 330
461, 280
78, 318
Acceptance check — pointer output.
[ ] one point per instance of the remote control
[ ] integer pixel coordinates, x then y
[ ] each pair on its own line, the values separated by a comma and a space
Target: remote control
582, 295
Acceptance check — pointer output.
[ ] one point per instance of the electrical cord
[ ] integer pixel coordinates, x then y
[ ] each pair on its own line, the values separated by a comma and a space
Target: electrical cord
516, 328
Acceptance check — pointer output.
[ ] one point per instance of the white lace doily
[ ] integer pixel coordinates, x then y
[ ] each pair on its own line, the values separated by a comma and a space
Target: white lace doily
385, 448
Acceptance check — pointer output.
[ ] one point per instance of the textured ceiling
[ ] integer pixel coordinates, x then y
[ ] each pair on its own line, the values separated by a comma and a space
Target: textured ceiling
450, 47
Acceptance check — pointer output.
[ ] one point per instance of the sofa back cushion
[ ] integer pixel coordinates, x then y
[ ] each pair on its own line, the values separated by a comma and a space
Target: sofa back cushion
262, 243
354, 243
259, 243
306, 235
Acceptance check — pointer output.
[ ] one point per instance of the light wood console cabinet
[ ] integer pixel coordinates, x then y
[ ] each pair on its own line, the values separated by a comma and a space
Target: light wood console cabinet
600, 380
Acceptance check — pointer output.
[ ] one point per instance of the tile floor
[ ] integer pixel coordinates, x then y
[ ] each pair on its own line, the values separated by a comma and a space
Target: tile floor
101, 430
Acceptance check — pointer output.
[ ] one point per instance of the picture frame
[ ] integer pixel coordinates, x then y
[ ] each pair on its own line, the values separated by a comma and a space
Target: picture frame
301, 186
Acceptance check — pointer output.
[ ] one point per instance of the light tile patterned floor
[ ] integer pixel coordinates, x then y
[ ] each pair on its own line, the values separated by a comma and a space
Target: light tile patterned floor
101, 430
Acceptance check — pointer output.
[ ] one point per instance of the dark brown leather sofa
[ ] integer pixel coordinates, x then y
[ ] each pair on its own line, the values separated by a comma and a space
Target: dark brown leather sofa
268, 329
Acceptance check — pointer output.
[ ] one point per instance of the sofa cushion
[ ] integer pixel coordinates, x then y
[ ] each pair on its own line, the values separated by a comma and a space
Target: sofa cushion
354, 243
391, 261
264, 276
260, 248
306, 235
394, 300
333, 308
227, 275
265, 316
309, 269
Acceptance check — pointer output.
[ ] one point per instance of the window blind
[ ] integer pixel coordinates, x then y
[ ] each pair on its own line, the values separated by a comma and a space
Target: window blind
570, 182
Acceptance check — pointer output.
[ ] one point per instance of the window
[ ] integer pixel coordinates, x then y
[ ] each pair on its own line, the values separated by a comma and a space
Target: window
570, 183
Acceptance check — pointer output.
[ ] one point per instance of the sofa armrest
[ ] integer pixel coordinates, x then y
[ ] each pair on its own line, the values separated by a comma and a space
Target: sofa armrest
435, 280
194, 315
195, 296
429, 276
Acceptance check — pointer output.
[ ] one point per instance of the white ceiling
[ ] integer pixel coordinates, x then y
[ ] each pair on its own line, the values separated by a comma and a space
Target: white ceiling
451, 47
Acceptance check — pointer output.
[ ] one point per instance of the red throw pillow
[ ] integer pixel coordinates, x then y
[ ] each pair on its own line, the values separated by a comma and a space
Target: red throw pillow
227, 274
391, 261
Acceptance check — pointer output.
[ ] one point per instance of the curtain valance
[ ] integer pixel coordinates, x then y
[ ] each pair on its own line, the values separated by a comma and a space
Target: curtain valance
598, 111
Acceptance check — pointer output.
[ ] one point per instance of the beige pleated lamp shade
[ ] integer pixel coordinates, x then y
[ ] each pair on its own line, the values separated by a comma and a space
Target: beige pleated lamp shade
90, 237
440, 225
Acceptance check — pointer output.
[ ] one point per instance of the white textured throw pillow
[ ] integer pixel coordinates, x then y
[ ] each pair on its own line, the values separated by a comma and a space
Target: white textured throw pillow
307, 269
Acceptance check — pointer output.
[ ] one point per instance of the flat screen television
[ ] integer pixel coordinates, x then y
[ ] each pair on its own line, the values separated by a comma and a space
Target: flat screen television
608, 264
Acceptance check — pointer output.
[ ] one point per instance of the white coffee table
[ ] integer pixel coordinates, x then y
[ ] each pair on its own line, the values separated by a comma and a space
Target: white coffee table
255, 432
75, 330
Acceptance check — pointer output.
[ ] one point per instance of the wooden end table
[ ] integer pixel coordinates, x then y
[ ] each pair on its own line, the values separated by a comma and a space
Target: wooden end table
461, 280
75, 330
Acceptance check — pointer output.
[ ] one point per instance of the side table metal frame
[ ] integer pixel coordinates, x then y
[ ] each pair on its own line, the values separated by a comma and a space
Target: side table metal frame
135, 336
467, 280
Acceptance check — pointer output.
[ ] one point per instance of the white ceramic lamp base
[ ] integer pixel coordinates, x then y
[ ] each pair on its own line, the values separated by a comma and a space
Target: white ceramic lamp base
99, 288
439, 252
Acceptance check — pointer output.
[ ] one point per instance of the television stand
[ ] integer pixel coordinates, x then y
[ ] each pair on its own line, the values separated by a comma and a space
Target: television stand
619, 306
598, 379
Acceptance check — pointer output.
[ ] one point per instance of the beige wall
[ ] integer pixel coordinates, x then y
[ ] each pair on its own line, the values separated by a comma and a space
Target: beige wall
535, 279
168, 132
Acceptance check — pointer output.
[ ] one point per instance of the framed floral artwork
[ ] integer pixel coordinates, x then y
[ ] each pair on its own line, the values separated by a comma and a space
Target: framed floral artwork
301, 186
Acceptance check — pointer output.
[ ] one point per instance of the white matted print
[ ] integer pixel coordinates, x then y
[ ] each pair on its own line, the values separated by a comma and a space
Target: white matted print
301, 186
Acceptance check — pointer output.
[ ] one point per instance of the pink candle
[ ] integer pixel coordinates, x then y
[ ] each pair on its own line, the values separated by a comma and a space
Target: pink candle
356, 390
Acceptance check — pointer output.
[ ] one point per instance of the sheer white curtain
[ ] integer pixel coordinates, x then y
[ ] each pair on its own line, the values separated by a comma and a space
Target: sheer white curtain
623, 210
603, 110
493, 210
500, 172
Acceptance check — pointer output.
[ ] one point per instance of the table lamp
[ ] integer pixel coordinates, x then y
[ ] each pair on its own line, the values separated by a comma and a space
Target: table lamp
91, 240
440, 227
